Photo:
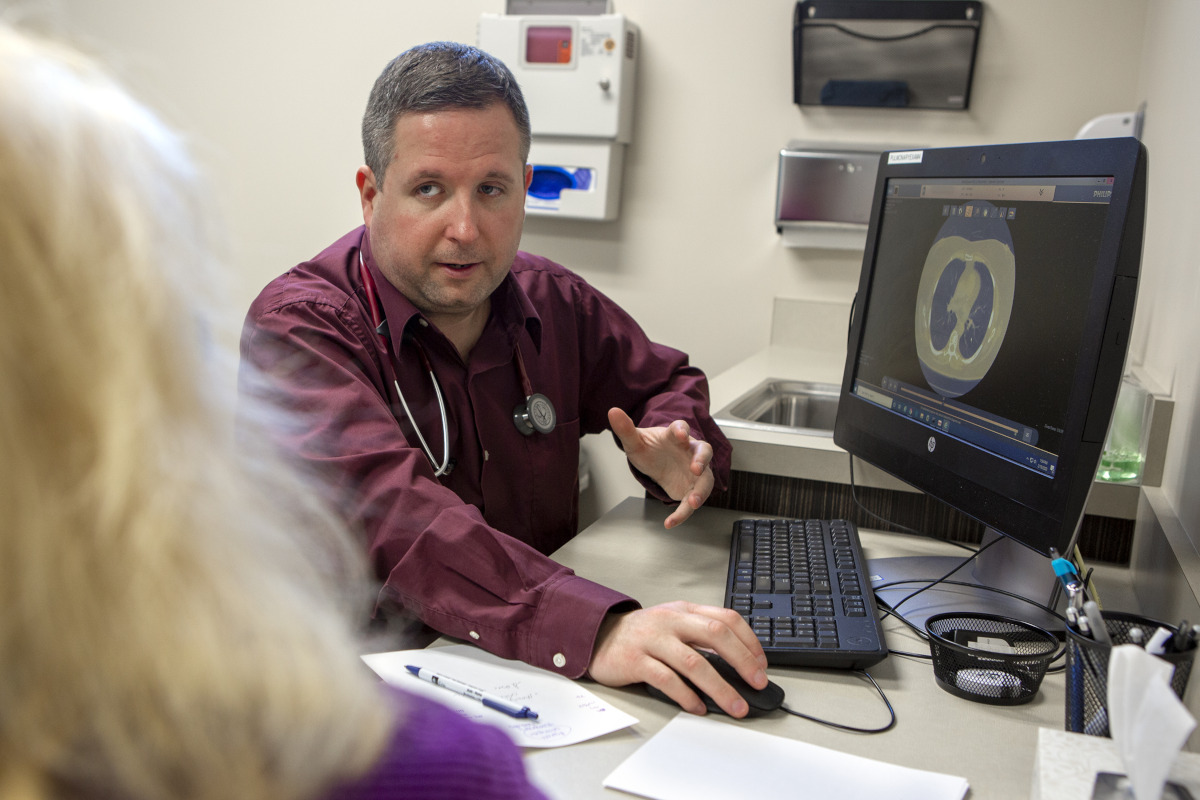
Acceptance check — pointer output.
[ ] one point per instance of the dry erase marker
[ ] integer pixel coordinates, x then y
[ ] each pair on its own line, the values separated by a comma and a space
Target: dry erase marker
467, 690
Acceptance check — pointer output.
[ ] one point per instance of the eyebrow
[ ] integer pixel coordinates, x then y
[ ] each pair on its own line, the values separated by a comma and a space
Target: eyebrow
436, 175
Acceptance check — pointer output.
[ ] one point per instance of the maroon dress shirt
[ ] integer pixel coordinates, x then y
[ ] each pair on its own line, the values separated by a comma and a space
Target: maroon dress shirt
467, 553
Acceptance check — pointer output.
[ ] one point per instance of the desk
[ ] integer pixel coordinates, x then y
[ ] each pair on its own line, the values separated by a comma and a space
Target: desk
628, 549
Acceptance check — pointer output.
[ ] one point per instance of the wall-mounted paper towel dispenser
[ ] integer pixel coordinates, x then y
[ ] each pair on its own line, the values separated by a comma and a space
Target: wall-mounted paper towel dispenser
824, 192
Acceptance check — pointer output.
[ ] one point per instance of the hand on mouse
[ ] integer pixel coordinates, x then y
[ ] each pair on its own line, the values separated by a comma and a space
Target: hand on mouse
657, 645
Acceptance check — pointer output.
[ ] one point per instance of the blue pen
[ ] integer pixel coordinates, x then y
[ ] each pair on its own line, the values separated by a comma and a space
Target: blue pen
467, 690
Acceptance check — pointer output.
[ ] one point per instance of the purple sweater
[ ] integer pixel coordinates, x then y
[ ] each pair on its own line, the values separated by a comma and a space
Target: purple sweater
437, 754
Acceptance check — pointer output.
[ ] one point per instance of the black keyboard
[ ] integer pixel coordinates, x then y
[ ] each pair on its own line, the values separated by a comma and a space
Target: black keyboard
803, 587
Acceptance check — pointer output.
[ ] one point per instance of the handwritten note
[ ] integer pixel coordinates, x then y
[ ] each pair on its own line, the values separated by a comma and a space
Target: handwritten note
567, 712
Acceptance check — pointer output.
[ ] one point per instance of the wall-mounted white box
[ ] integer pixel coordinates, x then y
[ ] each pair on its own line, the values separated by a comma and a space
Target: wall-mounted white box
577, 74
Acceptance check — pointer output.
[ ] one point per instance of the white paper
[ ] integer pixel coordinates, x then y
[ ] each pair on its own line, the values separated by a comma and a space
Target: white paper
694, 758
567, 712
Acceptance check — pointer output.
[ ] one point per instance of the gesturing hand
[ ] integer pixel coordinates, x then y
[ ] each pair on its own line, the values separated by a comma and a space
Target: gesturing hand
670, 457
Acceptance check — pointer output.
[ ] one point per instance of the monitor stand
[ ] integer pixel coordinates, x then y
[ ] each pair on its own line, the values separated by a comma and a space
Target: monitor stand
1005, 565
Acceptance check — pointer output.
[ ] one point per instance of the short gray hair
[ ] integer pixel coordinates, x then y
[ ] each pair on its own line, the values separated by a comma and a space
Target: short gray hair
434, 77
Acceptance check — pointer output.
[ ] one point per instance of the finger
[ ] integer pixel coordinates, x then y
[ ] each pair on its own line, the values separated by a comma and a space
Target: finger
695, 668
734, 640
692, 500
703, 487
681, 432
702, 454
668, 680
622, 426
722, 630
681, 512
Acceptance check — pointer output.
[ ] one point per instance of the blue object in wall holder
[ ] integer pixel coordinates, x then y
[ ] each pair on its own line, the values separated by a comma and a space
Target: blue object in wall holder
549, 181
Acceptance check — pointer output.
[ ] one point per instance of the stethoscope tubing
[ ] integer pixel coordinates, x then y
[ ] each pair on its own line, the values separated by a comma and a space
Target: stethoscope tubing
377, 318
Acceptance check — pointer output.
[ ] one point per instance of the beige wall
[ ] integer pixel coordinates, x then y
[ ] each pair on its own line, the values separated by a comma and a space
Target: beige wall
272, 102
1167, 325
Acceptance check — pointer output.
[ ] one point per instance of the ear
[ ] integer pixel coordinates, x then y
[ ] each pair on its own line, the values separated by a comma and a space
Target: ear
528, 176
368, 191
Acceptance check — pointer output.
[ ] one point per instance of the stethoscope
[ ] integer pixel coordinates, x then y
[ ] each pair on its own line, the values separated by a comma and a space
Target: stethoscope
535, 414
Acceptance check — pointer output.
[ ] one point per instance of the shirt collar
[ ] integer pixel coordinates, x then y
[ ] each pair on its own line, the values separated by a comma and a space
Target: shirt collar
511, 306
397, 310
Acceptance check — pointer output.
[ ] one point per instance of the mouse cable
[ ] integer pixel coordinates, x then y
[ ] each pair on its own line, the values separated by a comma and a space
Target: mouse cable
897, 525
891, 712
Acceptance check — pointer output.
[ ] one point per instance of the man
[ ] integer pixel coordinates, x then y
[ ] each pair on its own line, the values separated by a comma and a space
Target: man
444, 380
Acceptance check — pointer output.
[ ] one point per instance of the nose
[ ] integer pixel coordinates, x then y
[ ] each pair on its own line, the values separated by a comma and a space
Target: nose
461, 224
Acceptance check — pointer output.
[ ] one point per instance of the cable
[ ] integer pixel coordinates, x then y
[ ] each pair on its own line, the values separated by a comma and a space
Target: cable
852, 729
968, 584
922, 656
959, 566
890, 523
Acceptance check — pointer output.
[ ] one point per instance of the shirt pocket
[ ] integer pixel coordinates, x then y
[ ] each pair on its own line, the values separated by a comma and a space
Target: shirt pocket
554, 487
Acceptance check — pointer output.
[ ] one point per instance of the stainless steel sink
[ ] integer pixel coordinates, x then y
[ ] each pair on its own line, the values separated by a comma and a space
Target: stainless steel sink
784, 405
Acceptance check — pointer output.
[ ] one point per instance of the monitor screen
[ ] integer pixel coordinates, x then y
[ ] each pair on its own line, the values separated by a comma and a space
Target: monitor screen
991, 324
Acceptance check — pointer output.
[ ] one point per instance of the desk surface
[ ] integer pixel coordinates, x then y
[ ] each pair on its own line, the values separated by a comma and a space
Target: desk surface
628, 549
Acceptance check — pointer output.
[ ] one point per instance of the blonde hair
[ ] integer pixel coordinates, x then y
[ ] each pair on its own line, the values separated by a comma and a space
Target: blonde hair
174, 619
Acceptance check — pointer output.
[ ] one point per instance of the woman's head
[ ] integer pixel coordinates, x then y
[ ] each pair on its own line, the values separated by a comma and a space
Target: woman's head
174, 602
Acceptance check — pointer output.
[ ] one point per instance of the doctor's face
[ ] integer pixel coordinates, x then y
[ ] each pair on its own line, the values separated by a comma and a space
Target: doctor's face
445, 221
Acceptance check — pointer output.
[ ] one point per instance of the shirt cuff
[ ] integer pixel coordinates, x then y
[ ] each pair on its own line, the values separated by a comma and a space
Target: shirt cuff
568, 621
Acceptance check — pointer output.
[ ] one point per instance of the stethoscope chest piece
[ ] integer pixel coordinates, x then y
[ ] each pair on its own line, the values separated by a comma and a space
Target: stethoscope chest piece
535, 414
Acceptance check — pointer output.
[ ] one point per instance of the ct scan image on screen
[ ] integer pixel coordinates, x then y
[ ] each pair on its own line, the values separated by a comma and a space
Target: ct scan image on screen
975, 321
964, 300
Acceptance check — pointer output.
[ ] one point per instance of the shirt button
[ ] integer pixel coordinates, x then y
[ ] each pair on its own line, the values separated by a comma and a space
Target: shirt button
486, 455
473, 635
559, 660
423, 322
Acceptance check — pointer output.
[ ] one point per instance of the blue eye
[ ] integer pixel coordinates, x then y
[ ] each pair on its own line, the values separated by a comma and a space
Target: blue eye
428, 190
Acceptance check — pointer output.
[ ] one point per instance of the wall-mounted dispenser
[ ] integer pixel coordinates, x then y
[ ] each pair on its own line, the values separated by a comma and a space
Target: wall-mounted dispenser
824, 194
885, 53
577, 73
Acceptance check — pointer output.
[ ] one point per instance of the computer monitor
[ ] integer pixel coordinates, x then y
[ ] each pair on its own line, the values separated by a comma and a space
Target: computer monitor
987, 345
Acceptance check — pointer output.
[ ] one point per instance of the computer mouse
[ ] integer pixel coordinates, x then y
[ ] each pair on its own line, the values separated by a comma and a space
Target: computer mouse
761, 701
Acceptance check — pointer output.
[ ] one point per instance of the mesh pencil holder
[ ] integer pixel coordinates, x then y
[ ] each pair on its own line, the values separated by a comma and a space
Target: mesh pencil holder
1087, 670
989, 659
